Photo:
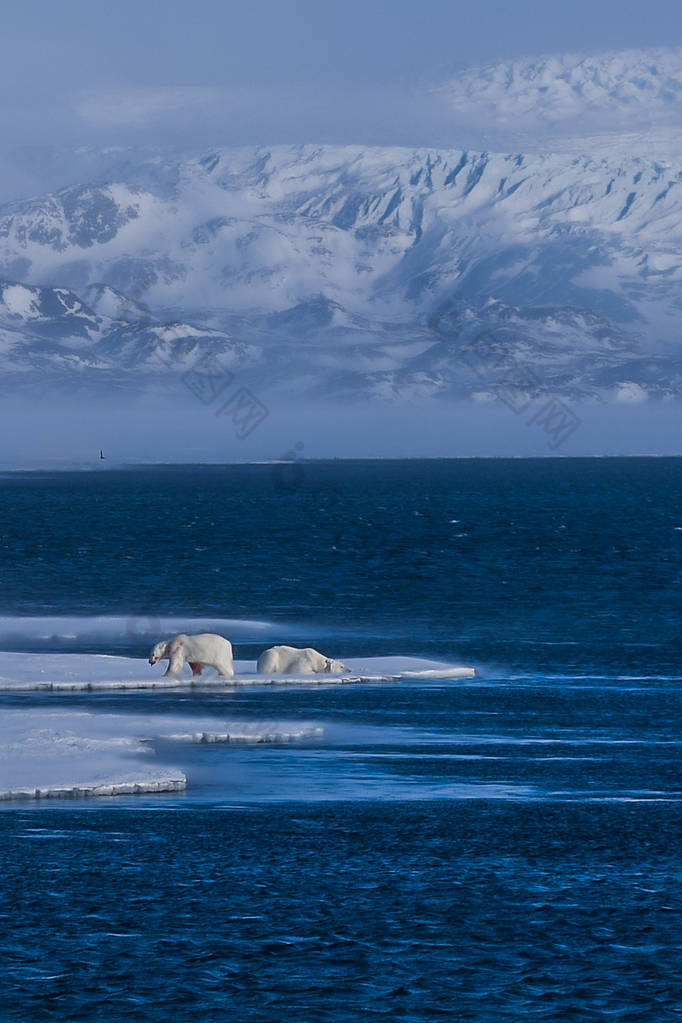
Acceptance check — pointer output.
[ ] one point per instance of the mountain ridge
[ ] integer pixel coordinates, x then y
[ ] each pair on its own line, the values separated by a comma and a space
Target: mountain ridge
363, 271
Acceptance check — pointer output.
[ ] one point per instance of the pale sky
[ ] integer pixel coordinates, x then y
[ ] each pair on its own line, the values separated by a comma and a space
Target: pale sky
271, 71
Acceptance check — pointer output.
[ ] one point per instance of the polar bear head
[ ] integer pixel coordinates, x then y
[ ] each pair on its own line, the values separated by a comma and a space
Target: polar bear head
335, 667
158, 651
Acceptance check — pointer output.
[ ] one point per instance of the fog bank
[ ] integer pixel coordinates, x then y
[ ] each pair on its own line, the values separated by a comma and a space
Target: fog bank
69, 433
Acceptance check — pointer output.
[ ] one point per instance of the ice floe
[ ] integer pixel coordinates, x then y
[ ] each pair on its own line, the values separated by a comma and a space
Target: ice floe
85, 672
48, 751
73, 754
68, 754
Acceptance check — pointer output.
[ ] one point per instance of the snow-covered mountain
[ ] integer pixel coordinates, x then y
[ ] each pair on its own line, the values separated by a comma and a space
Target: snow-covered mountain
360, 271
50, 334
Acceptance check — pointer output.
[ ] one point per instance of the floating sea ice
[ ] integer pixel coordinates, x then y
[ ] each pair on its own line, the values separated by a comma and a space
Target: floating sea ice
74, 754
85, 672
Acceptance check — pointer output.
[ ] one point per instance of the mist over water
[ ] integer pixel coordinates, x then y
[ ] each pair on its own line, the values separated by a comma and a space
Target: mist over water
174, 427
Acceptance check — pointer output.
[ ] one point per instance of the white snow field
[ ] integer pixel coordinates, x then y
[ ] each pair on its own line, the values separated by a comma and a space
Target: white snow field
73, 754
82, 672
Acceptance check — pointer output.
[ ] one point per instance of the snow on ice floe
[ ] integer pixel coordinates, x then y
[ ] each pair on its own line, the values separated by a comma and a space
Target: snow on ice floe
62, 754
84, 672
72, 754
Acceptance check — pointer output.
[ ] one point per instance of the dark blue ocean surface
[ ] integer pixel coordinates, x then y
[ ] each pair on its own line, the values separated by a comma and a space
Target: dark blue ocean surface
457, 910
555, 564
501, 849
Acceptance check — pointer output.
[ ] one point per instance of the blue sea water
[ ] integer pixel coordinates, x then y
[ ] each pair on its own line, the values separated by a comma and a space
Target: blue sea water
498, 849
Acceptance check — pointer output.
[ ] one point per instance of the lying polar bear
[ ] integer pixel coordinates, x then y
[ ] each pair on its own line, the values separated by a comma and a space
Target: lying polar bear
201, 651
289, 660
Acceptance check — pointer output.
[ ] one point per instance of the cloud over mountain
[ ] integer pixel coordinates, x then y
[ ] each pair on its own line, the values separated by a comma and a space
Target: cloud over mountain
377, 271
572, 93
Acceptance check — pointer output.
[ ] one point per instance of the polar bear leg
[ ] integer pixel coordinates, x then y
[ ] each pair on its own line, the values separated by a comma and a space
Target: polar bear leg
225, 668
268, 662
177, 659
196, 667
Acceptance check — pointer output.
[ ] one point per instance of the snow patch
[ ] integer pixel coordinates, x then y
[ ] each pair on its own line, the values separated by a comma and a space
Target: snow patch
20, 301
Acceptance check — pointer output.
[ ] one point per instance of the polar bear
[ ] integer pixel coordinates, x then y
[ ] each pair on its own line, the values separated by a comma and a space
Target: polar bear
289, 660
203, 650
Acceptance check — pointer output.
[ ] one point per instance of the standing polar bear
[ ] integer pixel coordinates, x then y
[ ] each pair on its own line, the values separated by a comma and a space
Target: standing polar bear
289, 660
200, 651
